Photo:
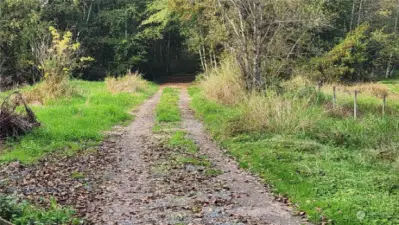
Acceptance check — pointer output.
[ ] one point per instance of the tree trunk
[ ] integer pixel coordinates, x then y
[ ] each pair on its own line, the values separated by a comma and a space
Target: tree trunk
360, 12
168, 56
352, 16
204, 55
389, 67
202, 60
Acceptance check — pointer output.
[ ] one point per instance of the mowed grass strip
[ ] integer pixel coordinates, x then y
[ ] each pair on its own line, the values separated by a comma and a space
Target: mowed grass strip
73, 123
182, 149
180, 140
340, 172
168, 108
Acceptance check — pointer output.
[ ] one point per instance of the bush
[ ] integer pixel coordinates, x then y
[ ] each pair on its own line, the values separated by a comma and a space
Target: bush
56, 59
130, 83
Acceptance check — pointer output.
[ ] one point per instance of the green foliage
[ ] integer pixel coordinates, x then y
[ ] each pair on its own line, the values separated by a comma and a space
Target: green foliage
336, 169
69, 124
361, 56
168, 108
22, 213
19, 26
179, 140
345, 60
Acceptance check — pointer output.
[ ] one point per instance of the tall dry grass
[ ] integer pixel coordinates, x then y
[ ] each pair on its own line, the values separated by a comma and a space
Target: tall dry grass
48, 90
130, 83
224, 84
277, 113
369, 89
260, 111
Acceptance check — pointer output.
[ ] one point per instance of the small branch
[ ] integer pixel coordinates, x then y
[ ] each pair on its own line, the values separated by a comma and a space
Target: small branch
5, 222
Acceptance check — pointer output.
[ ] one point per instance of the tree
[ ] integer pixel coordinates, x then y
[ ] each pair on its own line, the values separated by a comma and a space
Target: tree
265, 35
20, 22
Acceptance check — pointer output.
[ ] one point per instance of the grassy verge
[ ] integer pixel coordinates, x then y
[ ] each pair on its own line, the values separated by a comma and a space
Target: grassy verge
330, 166
73, 123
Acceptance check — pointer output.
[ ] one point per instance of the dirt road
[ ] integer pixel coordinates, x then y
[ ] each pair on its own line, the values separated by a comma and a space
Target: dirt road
136, 193
134, 178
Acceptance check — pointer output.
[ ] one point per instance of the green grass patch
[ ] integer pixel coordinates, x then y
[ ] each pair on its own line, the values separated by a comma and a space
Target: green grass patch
179, 140
21, 213
211, 172
77, 175
73, 123
168, 107
196, 161
337, 168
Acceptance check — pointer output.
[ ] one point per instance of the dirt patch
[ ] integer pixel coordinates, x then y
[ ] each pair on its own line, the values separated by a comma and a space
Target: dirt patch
71, 180
126, 182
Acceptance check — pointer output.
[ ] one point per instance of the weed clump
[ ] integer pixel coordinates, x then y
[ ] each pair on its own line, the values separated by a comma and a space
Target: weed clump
49, 90
130, 83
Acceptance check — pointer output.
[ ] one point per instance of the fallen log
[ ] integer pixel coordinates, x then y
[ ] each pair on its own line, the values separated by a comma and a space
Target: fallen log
5, 222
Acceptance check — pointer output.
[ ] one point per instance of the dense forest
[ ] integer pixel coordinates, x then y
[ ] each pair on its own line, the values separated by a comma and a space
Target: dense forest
272, 40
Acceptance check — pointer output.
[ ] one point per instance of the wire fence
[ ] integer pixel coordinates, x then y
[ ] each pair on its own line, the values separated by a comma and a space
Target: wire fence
356, 94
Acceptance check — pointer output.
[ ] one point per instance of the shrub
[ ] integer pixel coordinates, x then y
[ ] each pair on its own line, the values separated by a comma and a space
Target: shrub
56, 59
130, 83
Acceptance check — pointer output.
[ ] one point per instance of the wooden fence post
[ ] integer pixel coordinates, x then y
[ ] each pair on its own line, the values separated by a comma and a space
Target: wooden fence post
384, 104
319, 84
334, 97
355, 105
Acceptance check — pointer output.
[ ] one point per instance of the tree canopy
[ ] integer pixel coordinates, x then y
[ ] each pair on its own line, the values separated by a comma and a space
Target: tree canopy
271, 40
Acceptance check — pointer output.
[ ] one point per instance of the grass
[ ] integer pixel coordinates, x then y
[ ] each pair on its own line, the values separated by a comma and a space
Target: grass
168, 108
130, 83
179, 140
72, 123
21, 213
183, 150
331, 166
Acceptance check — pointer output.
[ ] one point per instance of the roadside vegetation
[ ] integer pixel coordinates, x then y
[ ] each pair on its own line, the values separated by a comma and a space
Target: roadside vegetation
22, 213
337, 169
269, 69
74, 122
69, 123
